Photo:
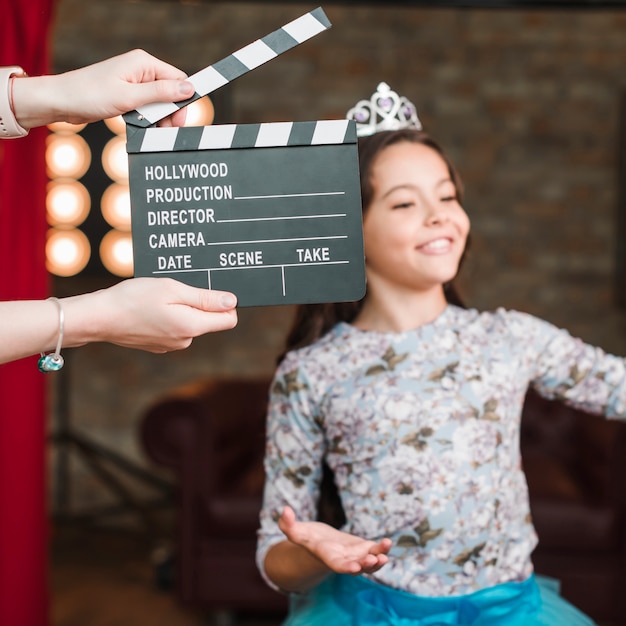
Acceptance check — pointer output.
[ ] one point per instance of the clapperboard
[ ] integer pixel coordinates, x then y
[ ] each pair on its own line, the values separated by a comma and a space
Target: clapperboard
271, 212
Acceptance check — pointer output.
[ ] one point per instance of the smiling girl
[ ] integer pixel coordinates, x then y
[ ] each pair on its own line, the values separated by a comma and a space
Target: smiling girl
414, 402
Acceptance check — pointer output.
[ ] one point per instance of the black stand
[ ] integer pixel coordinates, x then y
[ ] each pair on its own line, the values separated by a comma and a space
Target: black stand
103, 462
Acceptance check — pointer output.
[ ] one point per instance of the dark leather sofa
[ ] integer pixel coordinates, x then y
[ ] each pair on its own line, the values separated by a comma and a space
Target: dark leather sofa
211, 435
575, 466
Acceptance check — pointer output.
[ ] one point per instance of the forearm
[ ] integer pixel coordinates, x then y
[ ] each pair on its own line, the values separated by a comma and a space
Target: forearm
29, 327
293, 568
37, 101
153, 314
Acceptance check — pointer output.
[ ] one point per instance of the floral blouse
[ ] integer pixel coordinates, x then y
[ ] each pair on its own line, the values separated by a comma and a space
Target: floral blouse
421, 429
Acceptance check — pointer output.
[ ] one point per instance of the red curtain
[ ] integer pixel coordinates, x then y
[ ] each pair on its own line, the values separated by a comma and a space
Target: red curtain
24, 34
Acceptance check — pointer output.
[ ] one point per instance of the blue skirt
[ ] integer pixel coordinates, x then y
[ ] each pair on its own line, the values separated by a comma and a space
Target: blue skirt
343, 600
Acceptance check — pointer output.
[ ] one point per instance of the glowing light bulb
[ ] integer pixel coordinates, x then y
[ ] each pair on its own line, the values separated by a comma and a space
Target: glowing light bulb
67, 156
67, 203
115, 206
115, 159
67, 251
116, 125
200, 113
116, 253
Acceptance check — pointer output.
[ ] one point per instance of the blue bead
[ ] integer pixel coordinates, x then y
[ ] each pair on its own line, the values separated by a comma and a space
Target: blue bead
50, 363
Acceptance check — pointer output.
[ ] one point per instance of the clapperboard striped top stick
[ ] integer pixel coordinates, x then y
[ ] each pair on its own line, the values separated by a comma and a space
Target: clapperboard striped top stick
237, 64
226, 136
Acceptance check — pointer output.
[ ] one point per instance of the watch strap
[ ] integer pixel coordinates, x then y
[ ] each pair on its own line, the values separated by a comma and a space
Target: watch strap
9, 128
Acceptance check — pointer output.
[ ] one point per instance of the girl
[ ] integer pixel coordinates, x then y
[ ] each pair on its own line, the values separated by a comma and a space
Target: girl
414, 402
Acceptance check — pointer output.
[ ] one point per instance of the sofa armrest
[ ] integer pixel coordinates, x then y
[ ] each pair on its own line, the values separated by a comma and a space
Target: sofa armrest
574, 465
212, 434
169, 429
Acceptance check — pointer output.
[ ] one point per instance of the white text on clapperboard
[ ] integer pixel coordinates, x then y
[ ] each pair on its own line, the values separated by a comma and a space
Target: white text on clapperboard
197, 216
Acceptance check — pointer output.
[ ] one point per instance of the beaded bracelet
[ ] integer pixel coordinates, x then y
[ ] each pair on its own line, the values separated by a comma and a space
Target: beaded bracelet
54, 362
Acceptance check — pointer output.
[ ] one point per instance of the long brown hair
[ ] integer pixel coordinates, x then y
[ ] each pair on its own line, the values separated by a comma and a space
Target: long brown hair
314, 320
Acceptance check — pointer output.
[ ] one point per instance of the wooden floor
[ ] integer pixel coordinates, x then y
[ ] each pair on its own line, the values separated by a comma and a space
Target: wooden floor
103, 577
107, 577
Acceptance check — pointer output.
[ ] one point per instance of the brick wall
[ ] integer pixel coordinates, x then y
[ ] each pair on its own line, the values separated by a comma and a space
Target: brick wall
526, 103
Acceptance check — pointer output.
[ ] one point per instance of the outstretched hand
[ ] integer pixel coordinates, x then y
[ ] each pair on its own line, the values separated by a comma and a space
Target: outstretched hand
100, 91
342, 552
153, 314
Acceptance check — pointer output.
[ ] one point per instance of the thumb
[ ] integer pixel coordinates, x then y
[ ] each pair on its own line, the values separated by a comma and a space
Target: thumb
212, 300
287, 520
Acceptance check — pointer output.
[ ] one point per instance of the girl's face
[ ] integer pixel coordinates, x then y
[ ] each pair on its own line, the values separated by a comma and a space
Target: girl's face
414, 229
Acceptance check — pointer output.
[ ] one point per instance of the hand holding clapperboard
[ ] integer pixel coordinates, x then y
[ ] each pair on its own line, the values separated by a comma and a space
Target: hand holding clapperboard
270, 212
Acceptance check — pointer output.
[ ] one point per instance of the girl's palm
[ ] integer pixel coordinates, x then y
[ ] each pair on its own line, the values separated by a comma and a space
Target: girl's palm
340, 551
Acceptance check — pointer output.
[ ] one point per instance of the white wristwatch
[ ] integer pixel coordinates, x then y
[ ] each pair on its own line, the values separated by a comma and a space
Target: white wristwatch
9, 128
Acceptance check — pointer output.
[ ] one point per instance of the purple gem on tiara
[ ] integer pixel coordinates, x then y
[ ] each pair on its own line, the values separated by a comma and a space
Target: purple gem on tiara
385, 103
361, 116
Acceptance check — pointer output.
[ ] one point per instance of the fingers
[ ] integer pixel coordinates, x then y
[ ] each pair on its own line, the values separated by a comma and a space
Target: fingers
371, 563
163, 314
377, 556
365, 564
210, 300
373, 556
382, 547
136, 66
154, 67
154, 80
119, 84
176, 119
212, 322
160, 91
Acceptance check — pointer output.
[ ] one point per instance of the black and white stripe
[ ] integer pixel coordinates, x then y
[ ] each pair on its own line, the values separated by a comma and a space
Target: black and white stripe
226, 136
235, 65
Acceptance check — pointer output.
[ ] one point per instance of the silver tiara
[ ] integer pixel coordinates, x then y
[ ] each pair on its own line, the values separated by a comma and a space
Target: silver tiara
385, 110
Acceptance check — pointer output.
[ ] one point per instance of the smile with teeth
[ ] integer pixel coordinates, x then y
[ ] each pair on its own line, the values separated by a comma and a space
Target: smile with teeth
443, 244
